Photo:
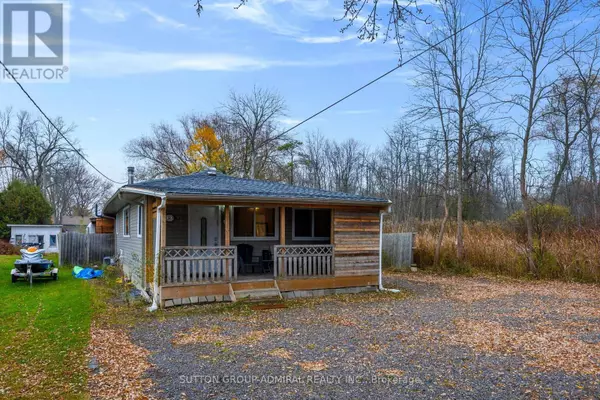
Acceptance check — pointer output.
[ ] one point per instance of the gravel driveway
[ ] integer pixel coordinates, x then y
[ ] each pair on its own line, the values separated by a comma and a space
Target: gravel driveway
440, 338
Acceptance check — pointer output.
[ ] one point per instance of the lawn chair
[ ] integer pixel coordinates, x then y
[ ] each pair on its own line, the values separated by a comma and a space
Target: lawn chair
246, 260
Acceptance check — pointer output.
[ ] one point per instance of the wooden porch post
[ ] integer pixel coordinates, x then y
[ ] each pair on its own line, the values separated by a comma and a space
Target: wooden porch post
282, 226
227, 226
276, 268
228, 264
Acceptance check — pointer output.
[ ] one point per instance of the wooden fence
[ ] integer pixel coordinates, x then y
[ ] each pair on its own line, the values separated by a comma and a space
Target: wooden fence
398, 247
85, 249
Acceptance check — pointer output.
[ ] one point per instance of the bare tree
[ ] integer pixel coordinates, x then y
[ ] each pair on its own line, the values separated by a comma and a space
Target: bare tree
255, 116
532, 37
564, 123
457, 75
164, 151
32, 146
586, 65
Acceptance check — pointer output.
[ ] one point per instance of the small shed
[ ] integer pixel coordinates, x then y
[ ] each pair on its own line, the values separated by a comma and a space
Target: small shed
43, 236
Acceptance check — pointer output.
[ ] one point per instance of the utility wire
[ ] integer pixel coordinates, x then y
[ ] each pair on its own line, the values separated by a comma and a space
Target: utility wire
396, 67
299, 123
75, 149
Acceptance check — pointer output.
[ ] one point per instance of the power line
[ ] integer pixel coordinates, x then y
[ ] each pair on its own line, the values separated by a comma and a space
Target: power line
299, 123
395, 68
75, 149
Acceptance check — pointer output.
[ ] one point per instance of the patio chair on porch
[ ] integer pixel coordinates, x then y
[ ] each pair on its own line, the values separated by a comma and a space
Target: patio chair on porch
246, 261
267, 261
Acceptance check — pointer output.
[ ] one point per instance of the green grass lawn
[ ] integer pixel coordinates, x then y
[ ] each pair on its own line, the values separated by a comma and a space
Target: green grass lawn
44, 331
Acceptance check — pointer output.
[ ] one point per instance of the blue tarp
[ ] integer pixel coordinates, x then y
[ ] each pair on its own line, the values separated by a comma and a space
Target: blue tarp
87, 273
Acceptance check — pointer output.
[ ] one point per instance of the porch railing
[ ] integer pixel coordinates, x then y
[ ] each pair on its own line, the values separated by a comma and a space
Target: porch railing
193, 265
304, 261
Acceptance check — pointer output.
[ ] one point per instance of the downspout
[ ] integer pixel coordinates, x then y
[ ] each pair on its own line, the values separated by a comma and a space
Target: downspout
381, 288
163, 202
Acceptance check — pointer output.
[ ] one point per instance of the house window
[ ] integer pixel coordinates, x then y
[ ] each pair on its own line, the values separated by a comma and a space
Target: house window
18, 240
40, 241
254, 222
52, 240
139, 221
311, 224
126, 222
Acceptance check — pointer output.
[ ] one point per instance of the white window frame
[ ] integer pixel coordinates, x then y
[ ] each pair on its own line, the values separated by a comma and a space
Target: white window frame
254, 238
50, 241
140, 216
128, 209
312, 227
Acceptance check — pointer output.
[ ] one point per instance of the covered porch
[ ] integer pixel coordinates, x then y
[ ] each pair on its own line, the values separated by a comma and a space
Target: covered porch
207, 243
215, 251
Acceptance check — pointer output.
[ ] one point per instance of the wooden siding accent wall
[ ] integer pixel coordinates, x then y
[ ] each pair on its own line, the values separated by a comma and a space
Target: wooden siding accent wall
356, 233
105, 225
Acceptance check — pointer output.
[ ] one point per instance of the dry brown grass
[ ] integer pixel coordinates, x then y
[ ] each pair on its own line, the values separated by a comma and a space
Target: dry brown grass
492, 248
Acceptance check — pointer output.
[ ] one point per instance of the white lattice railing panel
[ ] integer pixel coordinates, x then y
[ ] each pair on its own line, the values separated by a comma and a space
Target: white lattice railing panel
193, 265
304, 261
199, 252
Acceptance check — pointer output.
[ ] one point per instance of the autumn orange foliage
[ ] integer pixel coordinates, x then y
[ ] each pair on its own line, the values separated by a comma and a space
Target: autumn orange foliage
207, 150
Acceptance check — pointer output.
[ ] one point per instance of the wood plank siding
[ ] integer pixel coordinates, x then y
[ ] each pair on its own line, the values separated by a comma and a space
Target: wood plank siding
356, 233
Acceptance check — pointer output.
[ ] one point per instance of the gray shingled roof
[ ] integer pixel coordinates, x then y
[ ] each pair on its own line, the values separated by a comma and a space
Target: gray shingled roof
202, 183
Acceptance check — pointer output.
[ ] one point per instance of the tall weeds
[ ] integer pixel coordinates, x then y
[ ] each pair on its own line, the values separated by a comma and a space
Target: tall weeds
492, 247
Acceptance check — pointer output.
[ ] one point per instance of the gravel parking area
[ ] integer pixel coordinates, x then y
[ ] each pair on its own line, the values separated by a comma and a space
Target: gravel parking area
439, 338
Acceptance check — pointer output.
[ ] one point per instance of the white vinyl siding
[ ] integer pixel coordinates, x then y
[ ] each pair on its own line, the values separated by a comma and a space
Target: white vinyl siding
130, 247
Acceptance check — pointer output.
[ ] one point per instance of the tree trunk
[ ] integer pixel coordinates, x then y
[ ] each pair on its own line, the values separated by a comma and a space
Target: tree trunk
592, 161
460, 250
559, 173
440, 238
252, 160
529, 253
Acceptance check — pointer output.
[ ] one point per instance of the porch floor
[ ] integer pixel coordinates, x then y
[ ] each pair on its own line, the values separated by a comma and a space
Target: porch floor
256, 277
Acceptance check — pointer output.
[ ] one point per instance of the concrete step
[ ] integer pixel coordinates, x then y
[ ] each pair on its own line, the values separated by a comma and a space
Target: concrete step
258, 294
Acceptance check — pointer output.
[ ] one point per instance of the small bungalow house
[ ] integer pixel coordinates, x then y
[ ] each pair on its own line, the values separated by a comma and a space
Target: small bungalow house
208, 236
